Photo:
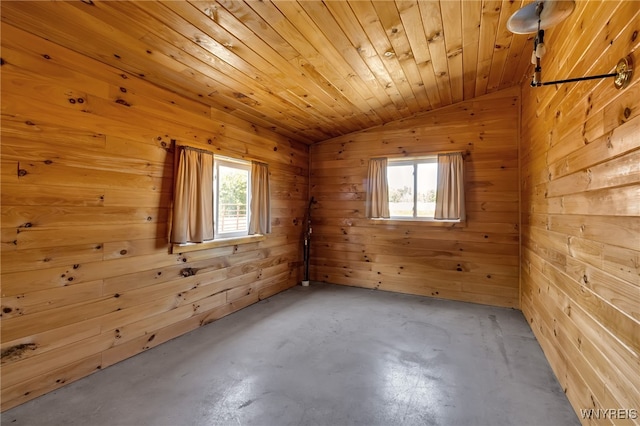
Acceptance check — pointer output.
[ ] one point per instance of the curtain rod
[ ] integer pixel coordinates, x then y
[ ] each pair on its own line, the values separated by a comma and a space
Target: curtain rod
230, 156
427, 154
192, 148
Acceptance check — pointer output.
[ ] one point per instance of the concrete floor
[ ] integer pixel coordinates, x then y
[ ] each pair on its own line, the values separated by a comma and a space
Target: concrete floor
326, 355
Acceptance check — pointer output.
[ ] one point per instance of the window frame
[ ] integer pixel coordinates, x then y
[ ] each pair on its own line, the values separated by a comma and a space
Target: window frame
235, 164
182, 248
431, 159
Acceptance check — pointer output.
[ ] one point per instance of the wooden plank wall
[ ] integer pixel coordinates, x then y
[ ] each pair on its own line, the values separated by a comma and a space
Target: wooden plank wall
477, 262
581, 207
87, 276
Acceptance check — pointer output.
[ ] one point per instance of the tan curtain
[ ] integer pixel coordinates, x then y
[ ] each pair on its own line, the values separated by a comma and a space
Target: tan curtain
377, 189
260, 208
450, 191
193, 197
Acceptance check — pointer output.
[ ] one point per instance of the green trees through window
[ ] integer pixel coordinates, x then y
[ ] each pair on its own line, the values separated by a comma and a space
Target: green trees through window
232, 198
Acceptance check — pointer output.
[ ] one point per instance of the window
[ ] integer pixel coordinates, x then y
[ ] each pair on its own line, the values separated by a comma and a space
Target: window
218, 198
231, 194
412, 188
428, 188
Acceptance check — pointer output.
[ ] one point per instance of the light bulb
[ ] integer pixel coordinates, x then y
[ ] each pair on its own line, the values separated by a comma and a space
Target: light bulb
540, 50
533, 57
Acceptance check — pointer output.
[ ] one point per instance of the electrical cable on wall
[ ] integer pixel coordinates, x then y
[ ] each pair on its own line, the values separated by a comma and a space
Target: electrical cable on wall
307, 243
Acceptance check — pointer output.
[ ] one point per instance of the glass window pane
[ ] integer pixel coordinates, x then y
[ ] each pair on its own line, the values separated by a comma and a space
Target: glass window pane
427, 184
400, 179
232, 199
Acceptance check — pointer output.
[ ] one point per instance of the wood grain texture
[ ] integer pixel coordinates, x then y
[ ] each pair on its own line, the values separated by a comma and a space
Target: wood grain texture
580, 192
86, 171
476, 262
87, 275
308, 70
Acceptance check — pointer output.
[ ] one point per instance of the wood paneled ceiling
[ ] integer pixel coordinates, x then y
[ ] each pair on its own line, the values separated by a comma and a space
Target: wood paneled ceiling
309, 70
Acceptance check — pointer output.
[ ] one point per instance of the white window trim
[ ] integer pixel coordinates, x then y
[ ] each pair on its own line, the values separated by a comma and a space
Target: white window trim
413, 162
232, 163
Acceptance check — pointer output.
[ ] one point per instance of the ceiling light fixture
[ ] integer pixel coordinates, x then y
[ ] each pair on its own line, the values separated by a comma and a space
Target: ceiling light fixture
542, 14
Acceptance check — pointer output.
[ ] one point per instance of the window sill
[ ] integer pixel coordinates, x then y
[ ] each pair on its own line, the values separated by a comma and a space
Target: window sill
419, 221
223, 242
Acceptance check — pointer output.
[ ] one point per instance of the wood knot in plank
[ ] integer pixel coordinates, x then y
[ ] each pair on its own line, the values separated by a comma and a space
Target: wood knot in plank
187, 272
609, 142
16, 352
123, 102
